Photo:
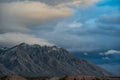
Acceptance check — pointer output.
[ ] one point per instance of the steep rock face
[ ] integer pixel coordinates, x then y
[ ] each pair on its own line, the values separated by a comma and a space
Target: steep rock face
36, 60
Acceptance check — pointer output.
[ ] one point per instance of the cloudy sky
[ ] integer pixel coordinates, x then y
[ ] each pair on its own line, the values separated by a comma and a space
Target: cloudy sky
80, 26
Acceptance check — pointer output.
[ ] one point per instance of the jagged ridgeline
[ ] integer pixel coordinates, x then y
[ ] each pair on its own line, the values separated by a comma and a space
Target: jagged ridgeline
36, 60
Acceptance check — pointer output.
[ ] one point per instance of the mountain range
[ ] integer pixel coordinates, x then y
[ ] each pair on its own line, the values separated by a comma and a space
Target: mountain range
35, 60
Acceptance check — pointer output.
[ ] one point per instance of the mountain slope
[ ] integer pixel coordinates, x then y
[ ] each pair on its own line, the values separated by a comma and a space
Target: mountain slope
4, 70
36, 60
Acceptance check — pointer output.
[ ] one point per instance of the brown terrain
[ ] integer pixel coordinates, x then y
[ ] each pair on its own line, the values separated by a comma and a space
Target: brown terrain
60, 78
12, 78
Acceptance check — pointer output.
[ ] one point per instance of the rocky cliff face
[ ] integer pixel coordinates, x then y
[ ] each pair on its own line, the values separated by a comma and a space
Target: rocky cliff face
36, 60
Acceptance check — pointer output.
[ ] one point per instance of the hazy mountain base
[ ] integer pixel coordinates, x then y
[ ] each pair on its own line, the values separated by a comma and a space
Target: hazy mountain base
59, 78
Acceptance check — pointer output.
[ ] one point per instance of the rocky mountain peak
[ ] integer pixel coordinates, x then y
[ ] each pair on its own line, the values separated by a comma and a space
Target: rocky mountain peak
36, 60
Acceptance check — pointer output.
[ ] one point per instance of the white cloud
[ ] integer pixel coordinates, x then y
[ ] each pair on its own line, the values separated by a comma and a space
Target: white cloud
110, 52
10, 39
75, 25
78, 3
30, 11
17, 15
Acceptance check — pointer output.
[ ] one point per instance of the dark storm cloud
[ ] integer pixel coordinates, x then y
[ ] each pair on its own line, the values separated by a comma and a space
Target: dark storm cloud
59, 2
102, 33
110, 19
107, 25
50, 2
